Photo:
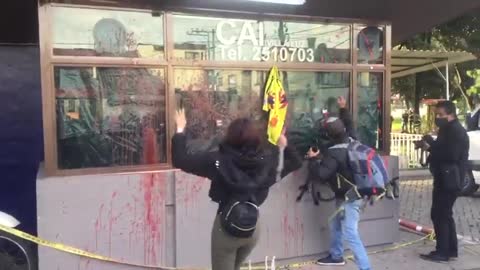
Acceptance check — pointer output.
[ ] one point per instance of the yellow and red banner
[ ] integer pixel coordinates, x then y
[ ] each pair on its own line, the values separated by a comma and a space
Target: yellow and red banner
276, 104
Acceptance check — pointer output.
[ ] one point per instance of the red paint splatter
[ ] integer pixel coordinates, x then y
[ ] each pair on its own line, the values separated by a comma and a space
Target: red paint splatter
111, 220
154, 202
98, 224
293, 231
191, 191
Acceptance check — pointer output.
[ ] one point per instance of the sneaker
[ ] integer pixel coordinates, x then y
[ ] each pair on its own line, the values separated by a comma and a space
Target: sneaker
330, 261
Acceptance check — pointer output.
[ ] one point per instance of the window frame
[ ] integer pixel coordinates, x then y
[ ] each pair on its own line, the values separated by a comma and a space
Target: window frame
169, 63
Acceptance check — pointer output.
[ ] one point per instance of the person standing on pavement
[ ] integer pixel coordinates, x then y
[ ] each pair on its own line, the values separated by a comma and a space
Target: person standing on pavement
473, 120
242, 172
344, 226
448, 162
405, 117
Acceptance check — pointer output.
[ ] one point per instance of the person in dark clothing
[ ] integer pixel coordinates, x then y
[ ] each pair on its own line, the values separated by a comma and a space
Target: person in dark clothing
344, 225
346, 118
473, 119
405, 117
243, 165
449, 149
411, 120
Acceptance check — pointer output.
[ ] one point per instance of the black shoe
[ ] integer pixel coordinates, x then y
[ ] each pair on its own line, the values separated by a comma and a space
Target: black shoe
434, 257
330, 261
451, 255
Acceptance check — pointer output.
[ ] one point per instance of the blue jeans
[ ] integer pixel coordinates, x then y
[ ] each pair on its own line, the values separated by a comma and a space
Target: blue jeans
344, 226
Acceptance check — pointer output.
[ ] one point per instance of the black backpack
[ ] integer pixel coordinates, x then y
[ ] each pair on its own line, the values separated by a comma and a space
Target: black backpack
239, 214
239, 217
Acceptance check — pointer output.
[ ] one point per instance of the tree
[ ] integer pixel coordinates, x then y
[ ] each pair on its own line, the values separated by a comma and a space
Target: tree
460, 34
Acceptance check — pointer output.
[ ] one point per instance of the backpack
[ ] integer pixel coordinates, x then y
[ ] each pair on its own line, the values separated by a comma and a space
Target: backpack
239, 217
370, 175
239, 214
317, 190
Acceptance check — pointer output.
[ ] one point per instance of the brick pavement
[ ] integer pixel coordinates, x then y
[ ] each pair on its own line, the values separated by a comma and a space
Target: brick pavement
415, 203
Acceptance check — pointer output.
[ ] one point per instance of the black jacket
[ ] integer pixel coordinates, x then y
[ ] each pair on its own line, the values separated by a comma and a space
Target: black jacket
346, 118
334, 162
450, 147
234, 172
473, 121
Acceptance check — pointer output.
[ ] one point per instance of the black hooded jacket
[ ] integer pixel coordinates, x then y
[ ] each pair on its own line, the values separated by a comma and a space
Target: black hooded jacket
334, 161
235, 173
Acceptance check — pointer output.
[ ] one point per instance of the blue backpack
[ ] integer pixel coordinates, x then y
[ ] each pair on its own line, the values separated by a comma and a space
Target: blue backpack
370, 175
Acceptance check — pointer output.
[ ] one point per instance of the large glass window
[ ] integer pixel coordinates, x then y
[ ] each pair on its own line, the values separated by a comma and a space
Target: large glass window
312, 98
369, 95
96, 32
110, 117
213, 98
110, 70
222, 39
370, 44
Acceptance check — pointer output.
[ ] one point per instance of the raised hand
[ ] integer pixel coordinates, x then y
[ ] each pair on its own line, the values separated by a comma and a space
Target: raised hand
180, 120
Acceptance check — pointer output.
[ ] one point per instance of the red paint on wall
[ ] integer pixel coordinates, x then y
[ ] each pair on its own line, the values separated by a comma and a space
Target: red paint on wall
145, 217
154, 192
98, 224
293, 231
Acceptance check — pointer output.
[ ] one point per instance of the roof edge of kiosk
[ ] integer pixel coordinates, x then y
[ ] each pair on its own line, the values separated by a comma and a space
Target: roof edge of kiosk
362, 13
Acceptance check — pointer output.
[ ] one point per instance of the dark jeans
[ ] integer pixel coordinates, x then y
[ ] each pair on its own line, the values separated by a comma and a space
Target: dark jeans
443, 222
228, 252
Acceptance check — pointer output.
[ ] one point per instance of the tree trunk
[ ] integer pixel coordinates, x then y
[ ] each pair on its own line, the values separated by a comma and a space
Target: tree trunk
464, 93
418, 94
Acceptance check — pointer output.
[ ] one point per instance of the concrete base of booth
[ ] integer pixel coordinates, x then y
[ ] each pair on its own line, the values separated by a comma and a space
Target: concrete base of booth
165, 218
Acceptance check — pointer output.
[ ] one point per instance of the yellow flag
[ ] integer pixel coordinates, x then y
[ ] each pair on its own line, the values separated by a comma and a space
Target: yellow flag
275, 102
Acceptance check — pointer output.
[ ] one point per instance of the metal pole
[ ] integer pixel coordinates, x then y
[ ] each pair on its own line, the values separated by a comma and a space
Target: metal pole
447, 81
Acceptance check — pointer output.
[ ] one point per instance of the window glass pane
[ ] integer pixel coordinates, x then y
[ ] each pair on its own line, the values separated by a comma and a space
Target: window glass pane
213, 98
205, 38
110, 117
370, 45
312, 97
96, 32
369, 95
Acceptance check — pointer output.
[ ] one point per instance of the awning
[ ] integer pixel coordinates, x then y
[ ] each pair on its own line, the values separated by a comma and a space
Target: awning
407, 62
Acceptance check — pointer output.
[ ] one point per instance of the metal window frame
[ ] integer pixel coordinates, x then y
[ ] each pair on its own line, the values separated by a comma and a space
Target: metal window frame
48, 61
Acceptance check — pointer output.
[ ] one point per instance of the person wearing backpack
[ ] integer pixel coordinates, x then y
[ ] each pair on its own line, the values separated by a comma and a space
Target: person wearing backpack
241, 173
342, 166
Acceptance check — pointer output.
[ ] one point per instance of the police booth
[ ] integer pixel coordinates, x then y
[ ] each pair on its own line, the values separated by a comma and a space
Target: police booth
112, 74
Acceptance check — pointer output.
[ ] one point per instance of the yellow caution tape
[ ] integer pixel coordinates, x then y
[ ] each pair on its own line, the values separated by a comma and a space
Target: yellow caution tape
86, 254
79, 252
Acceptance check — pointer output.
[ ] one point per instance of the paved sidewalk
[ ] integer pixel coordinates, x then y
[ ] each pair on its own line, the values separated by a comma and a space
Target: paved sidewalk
407, 258
416, 200
415, 203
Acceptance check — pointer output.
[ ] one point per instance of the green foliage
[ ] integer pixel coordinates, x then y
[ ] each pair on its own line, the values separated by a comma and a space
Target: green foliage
475, 88
460, 34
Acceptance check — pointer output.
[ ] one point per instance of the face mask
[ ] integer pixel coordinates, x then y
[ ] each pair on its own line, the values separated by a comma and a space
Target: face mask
441, 122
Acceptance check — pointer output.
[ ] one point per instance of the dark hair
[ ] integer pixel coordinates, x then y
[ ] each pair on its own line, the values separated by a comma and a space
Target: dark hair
336, 129
448, 106
243, 133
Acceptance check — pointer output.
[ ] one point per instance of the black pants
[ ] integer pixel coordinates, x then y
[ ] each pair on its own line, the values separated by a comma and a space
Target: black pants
443, 222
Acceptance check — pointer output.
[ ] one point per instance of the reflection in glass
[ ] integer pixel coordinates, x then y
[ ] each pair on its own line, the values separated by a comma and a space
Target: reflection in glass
96, 32
312, 98
213, 98
206, 38
370, 87
110, 117
370, 45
